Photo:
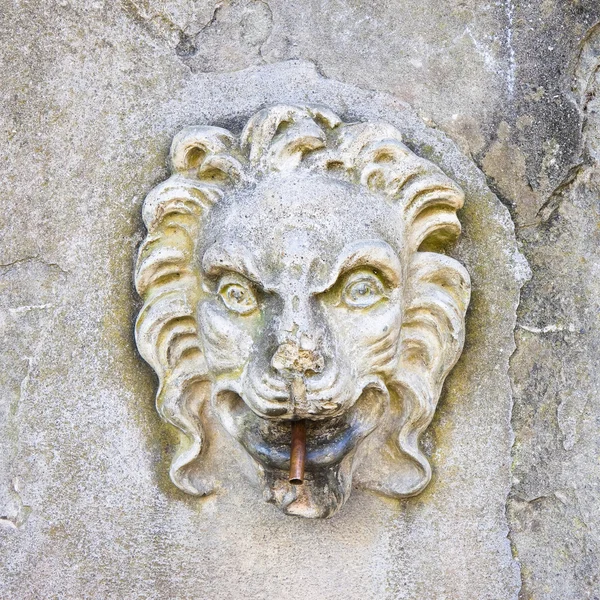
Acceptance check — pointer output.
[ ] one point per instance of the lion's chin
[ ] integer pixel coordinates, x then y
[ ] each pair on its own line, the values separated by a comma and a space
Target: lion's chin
331, 444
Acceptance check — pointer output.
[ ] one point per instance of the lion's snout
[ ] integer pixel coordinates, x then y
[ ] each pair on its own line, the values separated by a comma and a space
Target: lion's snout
291, 359
296, 363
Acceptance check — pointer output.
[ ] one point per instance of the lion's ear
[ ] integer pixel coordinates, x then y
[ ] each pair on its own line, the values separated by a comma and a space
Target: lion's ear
437, 295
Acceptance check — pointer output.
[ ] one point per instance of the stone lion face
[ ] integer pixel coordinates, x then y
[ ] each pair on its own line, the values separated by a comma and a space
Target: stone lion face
303, 316
299, 300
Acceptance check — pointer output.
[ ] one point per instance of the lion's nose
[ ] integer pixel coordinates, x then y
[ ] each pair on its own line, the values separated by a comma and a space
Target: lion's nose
295, 358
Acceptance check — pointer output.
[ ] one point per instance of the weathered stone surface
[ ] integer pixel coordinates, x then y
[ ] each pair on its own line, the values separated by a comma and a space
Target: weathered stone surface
93, 92
554, 508
89, 447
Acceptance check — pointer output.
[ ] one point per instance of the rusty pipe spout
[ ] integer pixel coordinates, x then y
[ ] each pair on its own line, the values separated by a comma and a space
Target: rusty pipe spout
298, 448
298, 452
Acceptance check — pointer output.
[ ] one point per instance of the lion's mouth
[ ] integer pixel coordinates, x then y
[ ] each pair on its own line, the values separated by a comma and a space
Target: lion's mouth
328, 441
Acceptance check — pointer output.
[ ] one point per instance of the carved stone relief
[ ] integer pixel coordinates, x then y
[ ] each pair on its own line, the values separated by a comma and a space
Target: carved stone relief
293, 280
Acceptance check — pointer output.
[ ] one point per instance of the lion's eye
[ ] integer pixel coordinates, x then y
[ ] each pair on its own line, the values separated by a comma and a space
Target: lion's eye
362, 290
238, 297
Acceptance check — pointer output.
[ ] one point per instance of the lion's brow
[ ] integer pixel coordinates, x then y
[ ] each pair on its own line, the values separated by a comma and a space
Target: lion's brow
367, 253
218, 259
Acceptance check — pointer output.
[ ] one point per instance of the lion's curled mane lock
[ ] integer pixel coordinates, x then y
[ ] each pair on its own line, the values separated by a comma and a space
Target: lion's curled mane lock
208, 163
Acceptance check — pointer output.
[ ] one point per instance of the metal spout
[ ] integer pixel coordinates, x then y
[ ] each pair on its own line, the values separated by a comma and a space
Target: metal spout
298, 452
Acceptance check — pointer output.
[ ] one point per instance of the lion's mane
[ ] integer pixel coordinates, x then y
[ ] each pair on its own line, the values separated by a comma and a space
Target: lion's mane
207, 163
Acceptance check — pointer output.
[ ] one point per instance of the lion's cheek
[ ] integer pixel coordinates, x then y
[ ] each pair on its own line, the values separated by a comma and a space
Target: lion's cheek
370, 337
227, 340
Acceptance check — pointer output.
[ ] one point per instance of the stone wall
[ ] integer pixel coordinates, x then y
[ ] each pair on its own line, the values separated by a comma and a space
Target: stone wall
502, 96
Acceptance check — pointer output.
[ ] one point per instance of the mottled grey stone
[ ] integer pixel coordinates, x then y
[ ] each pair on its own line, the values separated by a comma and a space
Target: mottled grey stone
89, 453
92, 92
554, 508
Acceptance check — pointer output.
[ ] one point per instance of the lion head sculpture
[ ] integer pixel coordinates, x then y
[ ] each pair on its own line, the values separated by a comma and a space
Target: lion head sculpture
294, 273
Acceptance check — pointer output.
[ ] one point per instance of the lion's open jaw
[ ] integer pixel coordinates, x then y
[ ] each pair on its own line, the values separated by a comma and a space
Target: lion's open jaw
328, 440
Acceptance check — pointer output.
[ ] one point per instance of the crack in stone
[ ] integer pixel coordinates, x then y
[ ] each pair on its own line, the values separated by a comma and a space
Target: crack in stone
187, 44
509, 534
185, 41
267, 39
551, 205
9, 266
